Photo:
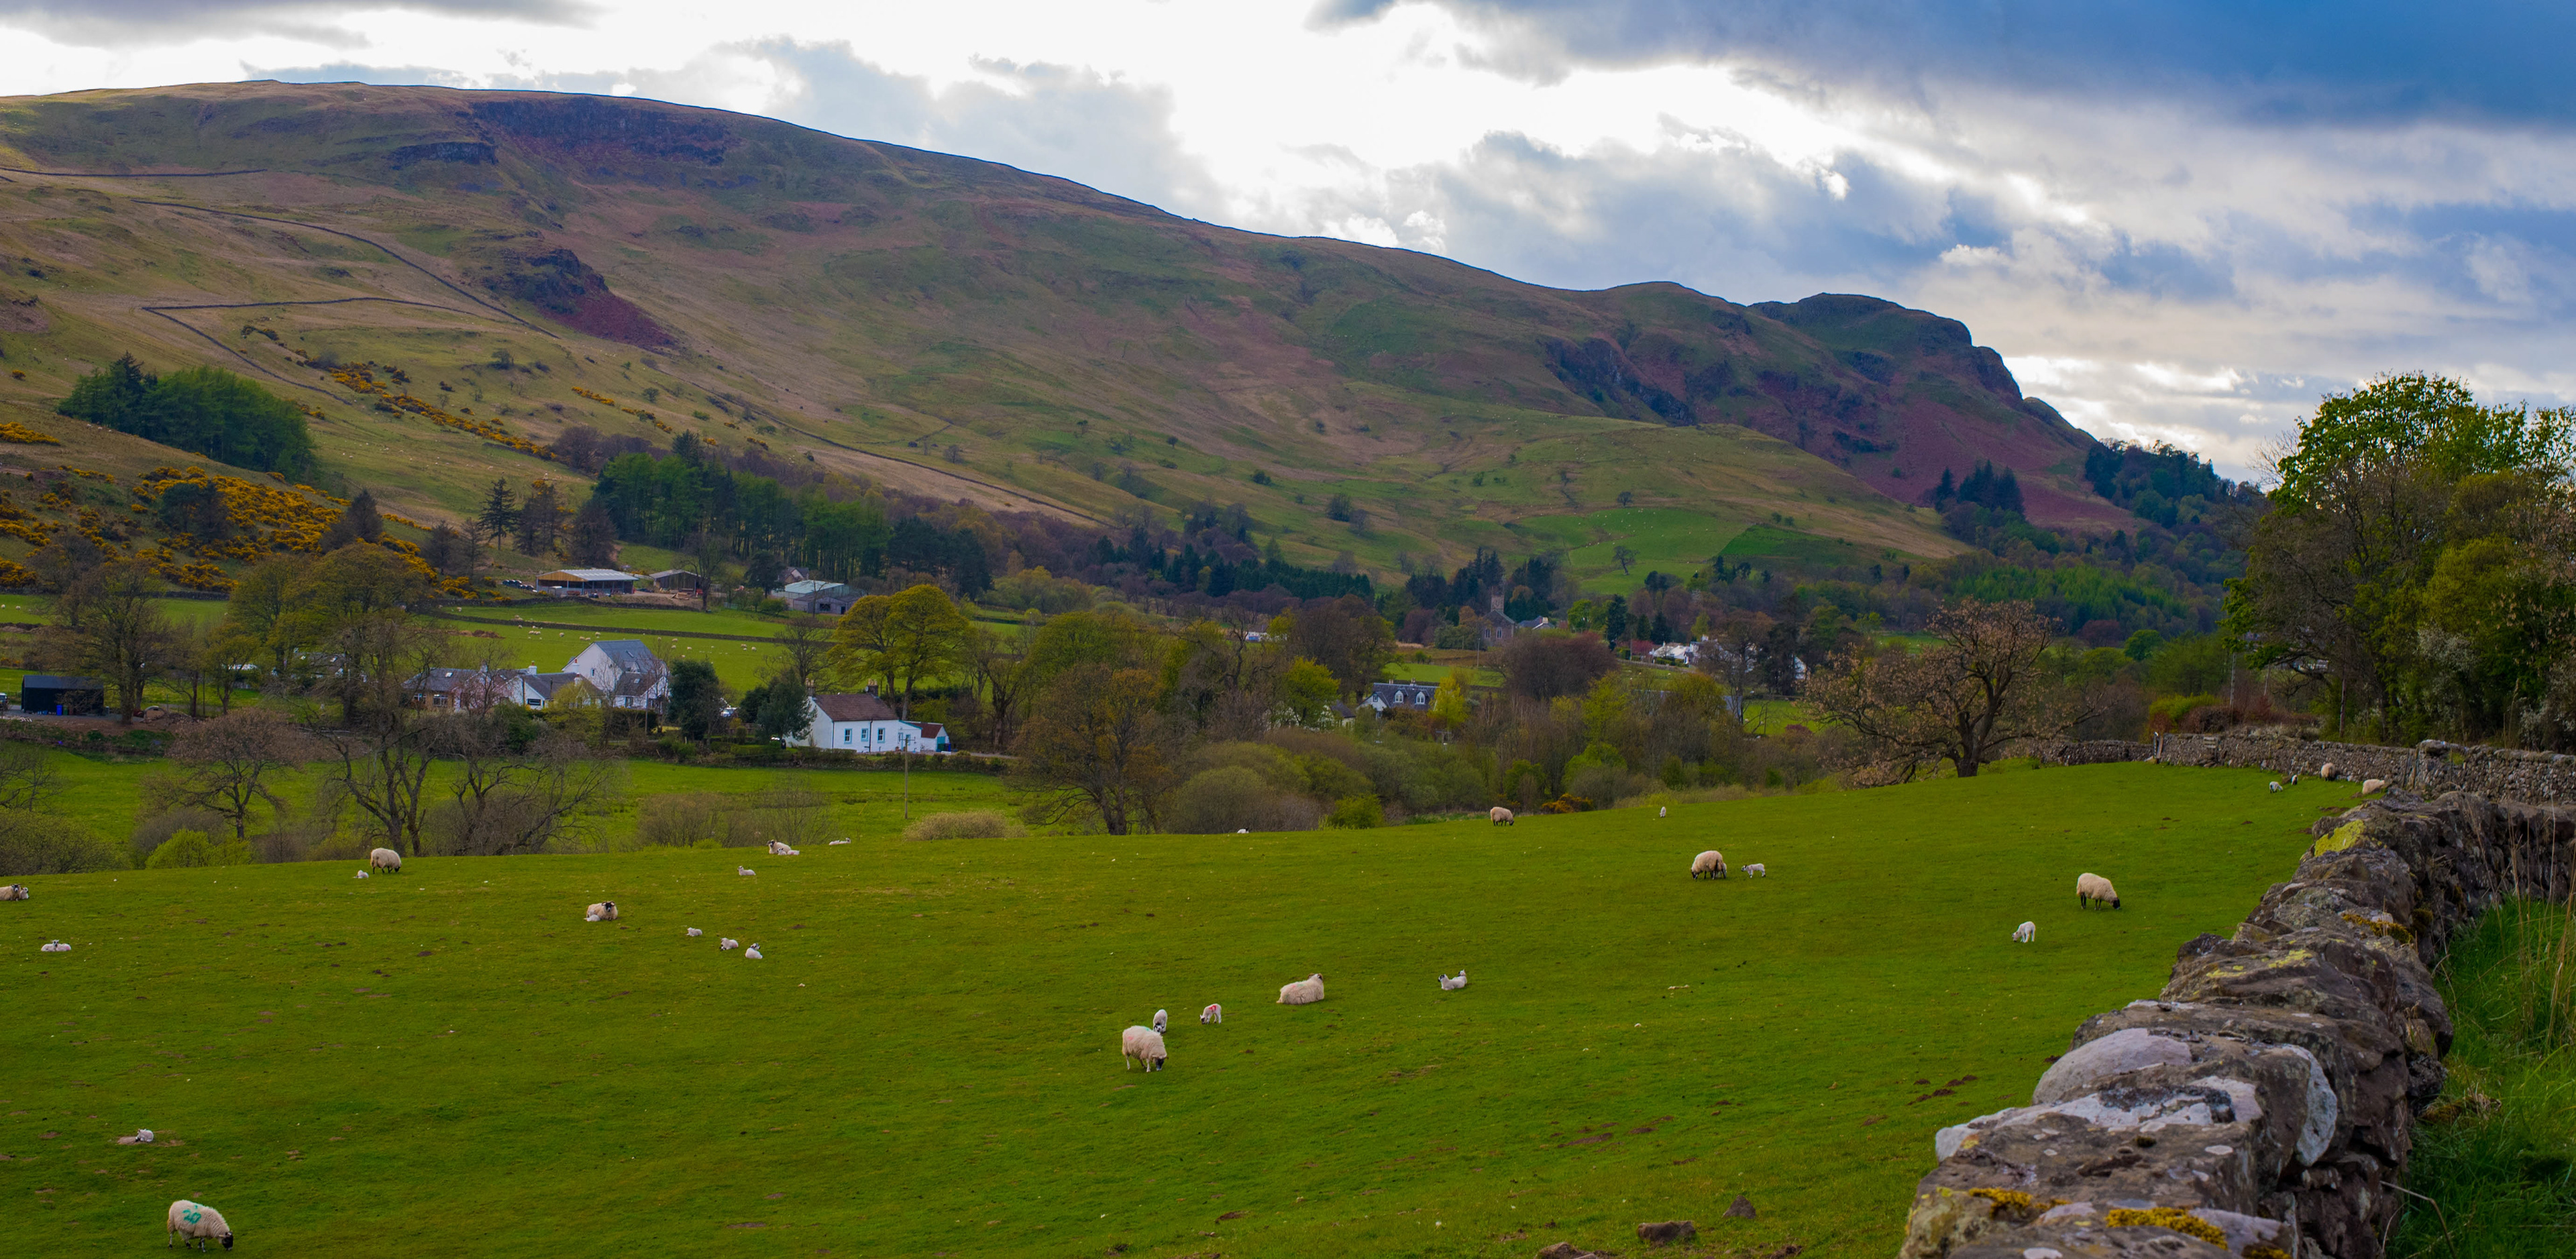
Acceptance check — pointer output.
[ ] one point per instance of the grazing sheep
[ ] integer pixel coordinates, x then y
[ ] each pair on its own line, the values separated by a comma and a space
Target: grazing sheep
197, 1222
779, 848
1213, 1014
1501, 816
1305, 991
836, 843
1141, 1044
1452, 983
604, 911
386, 859
727, 942
745, 870
13, 892
2276, 785
2294, 780
1757, 871
1659, 810
55, 947
2026, 933
695, 932
2326, 771
2373, 786
1709, 865
1162, 1020
2090, 888
751, 954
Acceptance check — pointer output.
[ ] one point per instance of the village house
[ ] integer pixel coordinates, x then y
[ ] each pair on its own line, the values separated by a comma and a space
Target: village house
1409, 696
863, 723
625, 672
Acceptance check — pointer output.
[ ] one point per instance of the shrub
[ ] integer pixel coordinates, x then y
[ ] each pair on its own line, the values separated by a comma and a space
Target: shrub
1356, 813
971, 824
152, 832
1239, 797
38, 845
193, 848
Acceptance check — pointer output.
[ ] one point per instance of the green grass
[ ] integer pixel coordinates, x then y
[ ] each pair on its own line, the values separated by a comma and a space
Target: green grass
1666, 539
614, 616
926, 1061
2491, 1176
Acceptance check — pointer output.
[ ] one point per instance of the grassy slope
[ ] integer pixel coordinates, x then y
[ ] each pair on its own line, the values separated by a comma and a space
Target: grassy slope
879, 306
926, 1061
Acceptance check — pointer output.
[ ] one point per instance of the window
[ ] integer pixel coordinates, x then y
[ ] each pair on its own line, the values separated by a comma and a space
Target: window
845, 734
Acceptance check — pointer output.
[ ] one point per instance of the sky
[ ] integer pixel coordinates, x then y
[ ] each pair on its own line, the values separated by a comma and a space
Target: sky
2182, 221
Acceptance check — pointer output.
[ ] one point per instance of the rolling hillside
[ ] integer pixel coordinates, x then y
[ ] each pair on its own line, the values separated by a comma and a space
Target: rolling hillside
947, 326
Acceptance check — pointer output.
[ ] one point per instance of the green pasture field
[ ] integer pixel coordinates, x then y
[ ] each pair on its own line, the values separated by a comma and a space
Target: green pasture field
927, 1060
615, 616
1666, 539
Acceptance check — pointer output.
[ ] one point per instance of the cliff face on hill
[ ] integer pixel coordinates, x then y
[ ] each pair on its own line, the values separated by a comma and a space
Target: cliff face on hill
962, 326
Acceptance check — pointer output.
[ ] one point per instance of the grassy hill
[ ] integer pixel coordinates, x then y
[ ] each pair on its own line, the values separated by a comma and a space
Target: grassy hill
926, 1061
952, 327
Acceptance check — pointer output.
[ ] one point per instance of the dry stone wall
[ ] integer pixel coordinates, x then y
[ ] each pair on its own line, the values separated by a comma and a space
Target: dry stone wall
2262, 1105
2426, 769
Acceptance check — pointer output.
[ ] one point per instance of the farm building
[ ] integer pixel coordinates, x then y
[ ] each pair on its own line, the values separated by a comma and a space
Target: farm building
588, 581
829, 598
62, 696
678, 579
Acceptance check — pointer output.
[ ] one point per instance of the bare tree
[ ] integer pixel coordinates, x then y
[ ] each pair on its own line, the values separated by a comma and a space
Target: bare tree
107, 623
802, 643
27, 775
517, 785
230, 760
1962, 699
380, 760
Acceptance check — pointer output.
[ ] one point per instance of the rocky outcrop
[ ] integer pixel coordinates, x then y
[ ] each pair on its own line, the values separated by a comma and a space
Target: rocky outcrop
2262, 1105
2426, 769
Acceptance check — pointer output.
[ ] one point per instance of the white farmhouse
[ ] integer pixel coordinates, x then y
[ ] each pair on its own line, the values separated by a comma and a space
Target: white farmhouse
861, 722
625, 671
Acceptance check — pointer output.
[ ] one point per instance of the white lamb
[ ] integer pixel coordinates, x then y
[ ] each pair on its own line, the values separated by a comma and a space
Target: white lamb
1709, 865
744, 870
386, 859
1756, 871
694, 932
1305, 991
752, 953
604, 911
779, 848
1162, 1020
197, 1222
55, 947
1213, 1014
13, 892
2373, 786
1659, 810
836, 843
1142, 1044
2276, 785
1449, 983
2026, 933
143, 1136
725, 942
362, 874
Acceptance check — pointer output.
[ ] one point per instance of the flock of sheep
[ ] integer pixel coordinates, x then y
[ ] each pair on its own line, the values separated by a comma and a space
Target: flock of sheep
1144, 1044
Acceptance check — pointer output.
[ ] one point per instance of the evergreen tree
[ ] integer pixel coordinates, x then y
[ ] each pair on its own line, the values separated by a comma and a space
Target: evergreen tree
593, 541
360, 523
1948, 489
500, 512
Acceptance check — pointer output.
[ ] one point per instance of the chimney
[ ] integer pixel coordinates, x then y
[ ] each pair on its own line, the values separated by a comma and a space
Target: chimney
872, 688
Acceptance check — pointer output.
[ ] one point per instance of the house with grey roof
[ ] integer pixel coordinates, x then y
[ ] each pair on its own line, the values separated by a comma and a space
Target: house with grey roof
625, 671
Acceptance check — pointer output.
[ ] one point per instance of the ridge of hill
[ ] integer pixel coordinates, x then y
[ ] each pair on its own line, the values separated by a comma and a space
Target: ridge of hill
954, 328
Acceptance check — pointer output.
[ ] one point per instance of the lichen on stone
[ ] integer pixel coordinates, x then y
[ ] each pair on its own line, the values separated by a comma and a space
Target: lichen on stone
2260, 1251
2174, 1218
2344, 836
2014, 1205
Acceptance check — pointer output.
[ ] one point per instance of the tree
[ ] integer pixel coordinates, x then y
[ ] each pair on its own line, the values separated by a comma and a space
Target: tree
1623, 555
1345, 635
27, 775
1304, 695
1546, 666
359, 522
1449, 702
777, 708
379, 760
515, 785
593, 540
350, 603
203, 410
107, 623
697, 698
802, 644
1099, 745
230, 761
500, 514
258, 624
1960, 699
903, 639
540, 519
448, 551
998, 664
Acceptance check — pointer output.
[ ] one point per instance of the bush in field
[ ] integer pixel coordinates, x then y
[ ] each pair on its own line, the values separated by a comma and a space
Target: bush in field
1238, 797
41, 845
971, 824
193, 848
